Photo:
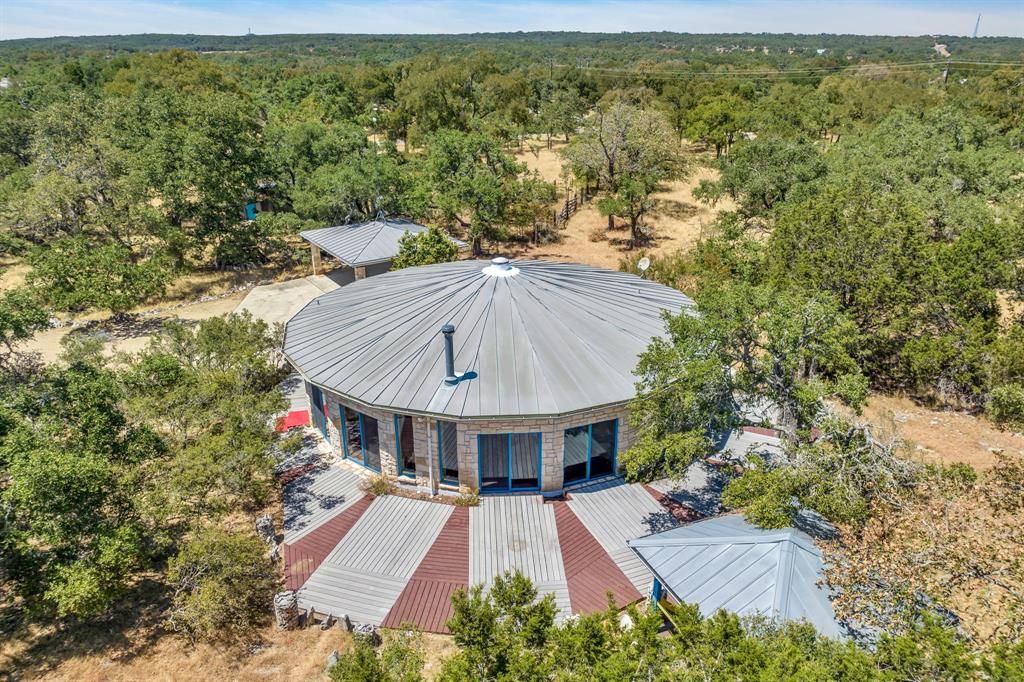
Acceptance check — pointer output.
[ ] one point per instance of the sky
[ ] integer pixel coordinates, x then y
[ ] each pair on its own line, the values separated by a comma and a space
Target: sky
44, 18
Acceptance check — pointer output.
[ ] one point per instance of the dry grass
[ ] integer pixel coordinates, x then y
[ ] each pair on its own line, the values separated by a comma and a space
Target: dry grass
942, 437
677, 222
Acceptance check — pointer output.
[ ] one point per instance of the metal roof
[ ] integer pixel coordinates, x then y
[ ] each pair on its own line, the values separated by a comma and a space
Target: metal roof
727, 563
532, 338
365, 243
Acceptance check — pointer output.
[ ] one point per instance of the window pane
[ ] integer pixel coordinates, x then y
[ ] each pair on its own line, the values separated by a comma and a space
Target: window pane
524, 460
407, 445
602, 450
494, 461
577, 440
371, 442
353, 445
449, 451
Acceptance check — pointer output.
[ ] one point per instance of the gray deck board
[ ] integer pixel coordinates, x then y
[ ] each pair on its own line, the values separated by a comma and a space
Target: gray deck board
392, 537
316, 497
514, 532
363, 597
615, 512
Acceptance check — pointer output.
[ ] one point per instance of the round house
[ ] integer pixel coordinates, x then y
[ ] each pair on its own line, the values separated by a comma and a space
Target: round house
500, 376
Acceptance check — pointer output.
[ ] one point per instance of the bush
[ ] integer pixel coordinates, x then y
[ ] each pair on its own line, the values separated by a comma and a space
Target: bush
400, 660
470, 499
377, 485
223, 586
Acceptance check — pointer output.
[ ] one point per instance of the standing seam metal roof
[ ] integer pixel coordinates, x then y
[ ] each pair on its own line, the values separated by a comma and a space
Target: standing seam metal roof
365, 243
552, 338
727, 563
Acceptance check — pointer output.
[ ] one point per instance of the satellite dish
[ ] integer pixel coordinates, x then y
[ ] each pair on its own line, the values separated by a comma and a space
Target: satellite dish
644, 263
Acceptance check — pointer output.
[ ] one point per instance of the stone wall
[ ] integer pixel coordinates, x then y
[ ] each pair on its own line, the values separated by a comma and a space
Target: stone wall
552, 430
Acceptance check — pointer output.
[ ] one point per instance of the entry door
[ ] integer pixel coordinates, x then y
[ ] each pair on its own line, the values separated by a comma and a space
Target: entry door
494, 462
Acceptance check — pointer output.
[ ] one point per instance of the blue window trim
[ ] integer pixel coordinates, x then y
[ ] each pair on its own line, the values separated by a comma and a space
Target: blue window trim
362, 440
440, 455
590, 449
399, 459
508, 487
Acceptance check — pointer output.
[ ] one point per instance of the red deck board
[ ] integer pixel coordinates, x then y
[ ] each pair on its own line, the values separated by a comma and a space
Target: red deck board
292, 420
304, 556
589, 571
426, 599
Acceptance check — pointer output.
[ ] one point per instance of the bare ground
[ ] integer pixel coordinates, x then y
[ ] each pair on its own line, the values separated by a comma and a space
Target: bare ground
942, 437
677, 221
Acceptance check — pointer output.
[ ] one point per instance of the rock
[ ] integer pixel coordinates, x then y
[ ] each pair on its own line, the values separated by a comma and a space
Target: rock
366, 633
625, 622
286, 610
332, 659
327, 622
265, 529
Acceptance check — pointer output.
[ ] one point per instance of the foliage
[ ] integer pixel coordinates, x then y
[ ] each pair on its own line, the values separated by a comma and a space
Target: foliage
211, 391
74, 491
223, 583
424, 248
401, 659
628, 151
21, 316
839, 475
954, 536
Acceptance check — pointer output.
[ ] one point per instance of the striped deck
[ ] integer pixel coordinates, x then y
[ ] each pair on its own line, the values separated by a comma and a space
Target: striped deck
315, 497
426, 599
369, 568
517, 532
590, 572
304, 556
615, 512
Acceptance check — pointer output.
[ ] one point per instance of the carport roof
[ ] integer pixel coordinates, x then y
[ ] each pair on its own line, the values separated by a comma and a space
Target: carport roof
727, 563
366, 243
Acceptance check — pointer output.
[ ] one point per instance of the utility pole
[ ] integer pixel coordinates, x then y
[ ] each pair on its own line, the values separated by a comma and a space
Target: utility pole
976, 24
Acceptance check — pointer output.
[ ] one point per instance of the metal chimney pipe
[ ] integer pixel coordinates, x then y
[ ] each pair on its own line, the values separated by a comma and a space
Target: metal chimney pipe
449, 355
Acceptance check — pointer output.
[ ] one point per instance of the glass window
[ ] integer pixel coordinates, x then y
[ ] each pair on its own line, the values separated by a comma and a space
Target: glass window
589, 451
448, 451
494, 461
602, 448
371, 441
351, 437
362, 438
576, 453
525, 458
406, 444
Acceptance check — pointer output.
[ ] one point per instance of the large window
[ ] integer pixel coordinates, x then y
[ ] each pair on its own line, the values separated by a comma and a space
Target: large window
448, 452
509, 461
361, 438
406, 445
589, 451
319, 411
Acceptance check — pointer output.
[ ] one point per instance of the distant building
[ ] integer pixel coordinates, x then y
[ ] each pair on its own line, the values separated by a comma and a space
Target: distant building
5, 83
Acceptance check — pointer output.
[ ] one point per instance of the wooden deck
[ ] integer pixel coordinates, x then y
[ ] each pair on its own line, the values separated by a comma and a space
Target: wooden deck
369, 568
590, 572
615, 512
315, 497
392, 560
426, 600
517, 532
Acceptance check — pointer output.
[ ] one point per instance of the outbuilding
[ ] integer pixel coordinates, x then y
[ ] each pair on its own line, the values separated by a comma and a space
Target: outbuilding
500, 376
365, 248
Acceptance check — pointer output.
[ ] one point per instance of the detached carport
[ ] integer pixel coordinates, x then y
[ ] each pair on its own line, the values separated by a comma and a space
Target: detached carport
365, 248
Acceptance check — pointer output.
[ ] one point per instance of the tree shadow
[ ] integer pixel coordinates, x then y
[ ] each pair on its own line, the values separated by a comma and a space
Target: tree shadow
673, 208
133, 627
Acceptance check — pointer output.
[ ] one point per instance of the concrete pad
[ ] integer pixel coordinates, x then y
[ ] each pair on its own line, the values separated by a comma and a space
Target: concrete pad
276, 303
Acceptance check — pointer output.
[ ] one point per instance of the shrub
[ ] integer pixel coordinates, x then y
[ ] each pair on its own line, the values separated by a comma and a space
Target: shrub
377, 485
469, 499
400, 660
223, 586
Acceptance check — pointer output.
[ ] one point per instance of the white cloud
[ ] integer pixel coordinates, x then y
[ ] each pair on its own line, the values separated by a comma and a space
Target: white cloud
40, 18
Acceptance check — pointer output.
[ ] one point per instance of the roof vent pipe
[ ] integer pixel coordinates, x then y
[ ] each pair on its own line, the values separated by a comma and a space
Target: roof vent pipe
449, 355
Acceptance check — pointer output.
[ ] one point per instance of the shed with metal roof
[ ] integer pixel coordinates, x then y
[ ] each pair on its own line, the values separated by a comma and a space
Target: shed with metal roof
727, 563
363, 245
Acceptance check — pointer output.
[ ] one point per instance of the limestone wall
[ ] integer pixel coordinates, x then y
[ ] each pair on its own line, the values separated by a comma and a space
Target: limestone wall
552, 430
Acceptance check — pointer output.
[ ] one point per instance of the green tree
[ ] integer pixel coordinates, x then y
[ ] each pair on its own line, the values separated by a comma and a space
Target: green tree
716, 120
423, 248
628, 152
75, 478
401, 659
223, 586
